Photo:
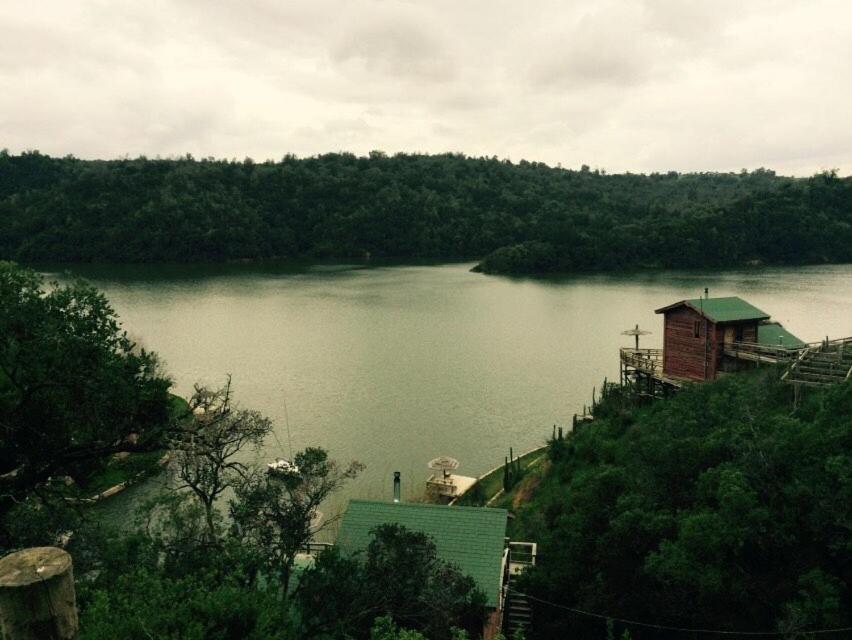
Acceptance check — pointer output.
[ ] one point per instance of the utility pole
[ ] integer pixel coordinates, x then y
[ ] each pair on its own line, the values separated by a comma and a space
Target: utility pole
37, 600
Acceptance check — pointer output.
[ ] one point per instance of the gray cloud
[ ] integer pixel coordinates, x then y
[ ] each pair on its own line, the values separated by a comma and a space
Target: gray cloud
399, 50
600, 48
619, 84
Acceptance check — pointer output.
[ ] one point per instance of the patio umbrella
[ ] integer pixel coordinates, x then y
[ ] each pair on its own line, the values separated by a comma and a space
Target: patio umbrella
636, 332
443, 464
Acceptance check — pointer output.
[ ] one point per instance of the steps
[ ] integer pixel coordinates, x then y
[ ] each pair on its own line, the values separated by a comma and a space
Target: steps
518, 613
826, 364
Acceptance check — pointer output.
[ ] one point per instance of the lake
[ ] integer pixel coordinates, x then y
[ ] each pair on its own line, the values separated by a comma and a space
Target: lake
395, 365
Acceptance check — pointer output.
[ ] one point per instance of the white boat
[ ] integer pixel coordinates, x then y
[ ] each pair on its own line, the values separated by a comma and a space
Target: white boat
282, 466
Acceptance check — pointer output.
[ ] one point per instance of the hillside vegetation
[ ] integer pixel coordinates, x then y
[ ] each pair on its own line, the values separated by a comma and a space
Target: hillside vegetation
215, 552
716, 509
526, 217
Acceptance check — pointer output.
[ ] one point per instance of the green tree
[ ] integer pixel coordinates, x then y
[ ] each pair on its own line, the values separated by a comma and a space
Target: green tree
204, 449
333, 598
277, 514
141, 605
715, 509
384, 628
524, 218
73, 388
401, 577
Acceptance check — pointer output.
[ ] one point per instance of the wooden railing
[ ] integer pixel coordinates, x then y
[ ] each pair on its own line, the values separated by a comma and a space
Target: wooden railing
645, 360
313, 548
523, 553
443, 485
762, 352
794, 367
822, 363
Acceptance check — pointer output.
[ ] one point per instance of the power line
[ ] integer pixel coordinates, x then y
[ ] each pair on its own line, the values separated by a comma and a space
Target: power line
662, 627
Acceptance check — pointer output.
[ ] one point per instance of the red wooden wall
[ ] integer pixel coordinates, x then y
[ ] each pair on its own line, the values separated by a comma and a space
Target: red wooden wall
684, 353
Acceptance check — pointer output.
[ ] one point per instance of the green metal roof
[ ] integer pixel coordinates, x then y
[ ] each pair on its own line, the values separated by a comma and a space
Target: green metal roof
472, 538
772, 333
732, 309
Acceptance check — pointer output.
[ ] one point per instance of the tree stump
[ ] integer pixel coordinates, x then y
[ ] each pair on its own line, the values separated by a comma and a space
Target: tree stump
37, 599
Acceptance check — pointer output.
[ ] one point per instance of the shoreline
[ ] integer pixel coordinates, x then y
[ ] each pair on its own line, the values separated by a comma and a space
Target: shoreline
496, 472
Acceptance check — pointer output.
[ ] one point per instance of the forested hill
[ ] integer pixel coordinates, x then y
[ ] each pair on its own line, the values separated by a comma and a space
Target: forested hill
719, 508
524, 217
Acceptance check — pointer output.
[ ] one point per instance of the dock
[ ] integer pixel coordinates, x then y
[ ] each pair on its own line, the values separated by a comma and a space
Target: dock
642, 371
450, 486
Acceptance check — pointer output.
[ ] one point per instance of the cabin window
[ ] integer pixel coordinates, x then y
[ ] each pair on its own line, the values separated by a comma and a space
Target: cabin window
739, 333
696, 328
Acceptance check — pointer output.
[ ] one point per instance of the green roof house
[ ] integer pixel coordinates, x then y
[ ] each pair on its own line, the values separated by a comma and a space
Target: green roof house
698, 333
718, 310
472, 538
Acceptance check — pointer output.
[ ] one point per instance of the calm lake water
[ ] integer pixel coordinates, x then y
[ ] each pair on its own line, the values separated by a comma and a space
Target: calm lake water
393, 366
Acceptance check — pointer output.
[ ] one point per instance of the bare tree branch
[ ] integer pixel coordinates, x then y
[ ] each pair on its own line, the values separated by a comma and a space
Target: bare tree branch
203, 450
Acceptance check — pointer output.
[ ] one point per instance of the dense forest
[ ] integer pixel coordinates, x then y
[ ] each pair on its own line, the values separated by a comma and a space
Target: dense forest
720, 508
521, 217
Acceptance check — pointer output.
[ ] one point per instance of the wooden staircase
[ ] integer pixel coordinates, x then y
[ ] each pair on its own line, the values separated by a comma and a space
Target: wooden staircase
518, 612
827, 363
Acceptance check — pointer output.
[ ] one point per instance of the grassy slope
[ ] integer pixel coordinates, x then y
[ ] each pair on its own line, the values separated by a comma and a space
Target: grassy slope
492, 483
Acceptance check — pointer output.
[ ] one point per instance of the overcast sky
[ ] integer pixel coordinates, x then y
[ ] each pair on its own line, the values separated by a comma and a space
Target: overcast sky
624, 86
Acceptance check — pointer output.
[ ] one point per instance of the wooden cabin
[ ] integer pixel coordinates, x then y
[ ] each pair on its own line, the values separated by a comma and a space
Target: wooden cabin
696, 331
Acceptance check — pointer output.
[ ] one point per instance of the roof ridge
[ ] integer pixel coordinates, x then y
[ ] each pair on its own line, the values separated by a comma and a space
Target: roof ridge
429, 505
721, 309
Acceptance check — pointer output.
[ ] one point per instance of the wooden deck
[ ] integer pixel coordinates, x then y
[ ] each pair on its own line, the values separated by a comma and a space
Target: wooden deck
821, 364
761, 353
647, 363
814, 364
448, 486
